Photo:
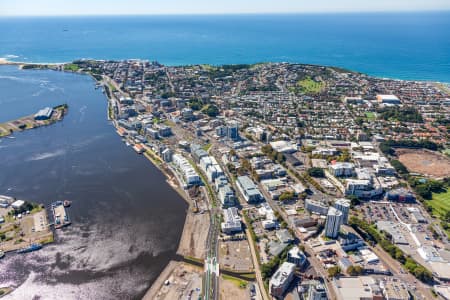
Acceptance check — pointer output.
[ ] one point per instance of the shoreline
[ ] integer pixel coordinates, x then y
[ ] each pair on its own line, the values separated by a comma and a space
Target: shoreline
6, 61
173, 181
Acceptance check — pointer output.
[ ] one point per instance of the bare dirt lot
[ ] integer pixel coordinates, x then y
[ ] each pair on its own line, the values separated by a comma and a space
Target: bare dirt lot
194, 236
177, 281
231, 288
235, 255
424, 162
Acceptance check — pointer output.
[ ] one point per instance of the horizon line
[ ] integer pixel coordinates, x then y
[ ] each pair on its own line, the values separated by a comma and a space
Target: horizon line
237, 13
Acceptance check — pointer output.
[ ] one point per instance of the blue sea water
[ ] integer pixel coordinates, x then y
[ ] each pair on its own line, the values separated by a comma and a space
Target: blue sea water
396, 45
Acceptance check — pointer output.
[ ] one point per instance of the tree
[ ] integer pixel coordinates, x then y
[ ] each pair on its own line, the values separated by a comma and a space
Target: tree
399, 167
316, 172
211, 110
334, 271
355, 270
280, 157
286, 196
423, 191
354, 200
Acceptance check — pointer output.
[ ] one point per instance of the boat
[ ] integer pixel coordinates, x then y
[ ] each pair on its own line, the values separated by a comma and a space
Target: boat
31, 248
67, 203
60, 216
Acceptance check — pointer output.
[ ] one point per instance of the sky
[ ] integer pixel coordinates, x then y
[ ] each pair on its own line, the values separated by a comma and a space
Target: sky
152, 7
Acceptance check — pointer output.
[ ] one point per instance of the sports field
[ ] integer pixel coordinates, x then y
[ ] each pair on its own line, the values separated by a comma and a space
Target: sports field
440, 203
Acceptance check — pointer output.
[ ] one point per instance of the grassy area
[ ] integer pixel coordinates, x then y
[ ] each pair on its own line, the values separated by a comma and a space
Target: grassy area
370, 116
206, 147
71, 67
194, 259
112, 88
48, 240
239, 282
440, 203
153, 157
4, 291
309, 86
169, 123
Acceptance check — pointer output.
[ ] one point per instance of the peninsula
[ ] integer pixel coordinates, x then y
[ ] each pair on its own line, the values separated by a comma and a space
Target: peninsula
43, 117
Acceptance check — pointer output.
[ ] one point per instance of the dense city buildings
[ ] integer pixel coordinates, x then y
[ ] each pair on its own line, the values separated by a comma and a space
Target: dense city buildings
314, 178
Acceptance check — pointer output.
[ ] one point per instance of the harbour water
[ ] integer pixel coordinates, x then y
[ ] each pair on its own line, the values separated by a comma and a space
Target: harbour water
126, 220
395, 45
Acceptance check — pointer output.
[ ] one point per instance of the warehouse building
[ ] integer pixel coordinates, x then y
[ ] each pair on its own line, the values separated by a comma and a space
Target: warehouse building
44, 114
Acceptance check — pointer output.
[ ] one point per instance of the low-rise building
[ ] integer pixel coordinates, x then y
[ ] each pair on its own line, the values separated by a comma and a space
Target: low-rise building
357, 288
226, 196
350, 241
284, 236
312, 290
44, 114
190, 176
341, 169
394, 290
316, 207
297, 257
232, 221
281, 280
248, 189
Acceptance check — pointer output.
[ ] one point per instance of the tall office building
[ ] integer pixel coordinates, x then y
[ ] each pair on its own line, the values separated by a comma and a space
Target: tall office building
344, 206
334, 221
233, 131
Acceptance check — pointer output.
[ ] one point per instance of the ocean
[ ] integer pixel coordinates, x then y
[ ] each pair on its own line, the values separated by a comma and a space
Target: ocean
396, 45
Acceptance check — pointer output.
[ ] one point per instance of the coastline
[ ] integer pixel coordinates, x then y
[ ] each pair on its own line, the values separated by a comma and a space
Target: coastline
5, 61
190, 222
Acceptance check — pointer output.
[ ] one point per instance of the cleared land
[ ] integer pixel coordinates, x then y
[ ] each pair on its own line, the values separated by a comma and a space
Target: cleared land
177, 281
233, 288
235, 255
194, 236
424, 162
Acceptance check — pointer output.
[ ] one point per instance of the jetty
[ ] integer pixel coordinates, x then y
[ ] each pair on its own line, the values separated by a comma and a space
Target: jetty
60, 215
